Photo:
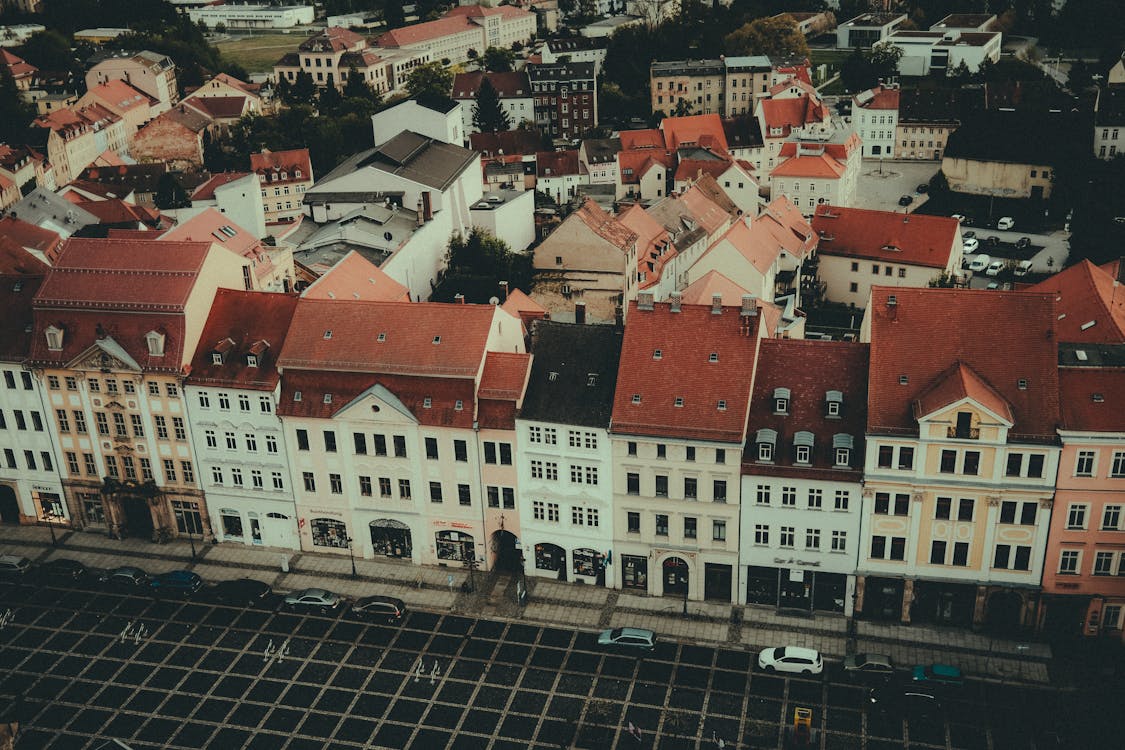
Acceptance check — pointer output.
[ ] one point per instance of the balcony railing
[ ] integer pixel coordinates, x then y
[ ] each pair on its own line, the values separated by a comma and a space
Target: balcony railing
972, 433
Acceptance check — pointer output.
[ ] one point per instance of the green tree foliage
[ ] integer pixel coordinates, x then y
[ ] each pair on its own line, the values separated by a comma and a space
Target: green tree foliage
393, 14
477, 264
432, 79
683, 108
488, 114
15, 114
857, 73
884, 59
329, 101
774, 36
50, 52
302, 90
498, 59
170, 193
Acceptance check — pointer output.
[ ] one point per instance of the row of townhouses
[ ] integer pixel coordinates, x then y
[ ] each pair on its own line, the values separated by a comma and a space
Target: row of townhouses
694, 452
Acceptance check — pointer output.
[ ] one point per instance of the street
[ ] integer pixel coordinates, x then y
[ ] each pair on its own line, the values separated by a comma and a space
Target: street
95, 664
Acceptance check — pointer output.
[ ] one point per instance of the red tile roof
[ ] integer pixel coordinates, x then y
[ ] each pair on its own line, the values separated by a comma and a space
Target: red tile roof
605, 225
210, 225
959, 382
17, 66
703, 290
16, 294
247, 323
820, 166
654, 245
219, 107
1091, 306
344, 335
117, 211
505, 376
809, 369
790, 113
507, 85
14, 259
702, 200
455, 21
1082, 410
206, 191
274, 163
496, 415
785, 224
556, 163
648, 138
632, 165
31, 236
333, 38
686, 340
881, 98
909, 239
120, 96
519, 305
355, 277
1005, 337
511, 142
705, 131
692, 169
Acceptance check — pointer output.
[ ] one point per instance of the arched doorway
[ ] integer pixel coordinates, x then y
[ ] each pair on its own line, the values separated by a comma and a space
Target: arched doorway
551, 557
391, 538
9, 505
455, 546
505, 556
1004, 609
675, 577
138, 517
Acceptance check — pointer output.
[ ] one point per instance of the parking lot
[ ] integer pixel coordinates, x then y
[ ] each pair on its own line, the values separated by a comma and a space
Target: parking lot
96, 664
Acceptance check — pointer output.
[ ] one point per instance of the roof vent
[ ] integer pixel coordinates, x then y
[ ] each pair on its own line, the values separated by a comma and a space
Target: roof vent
591, 379
1022, 384
1080, 355
679, 401
903, 379
892, 300
552, 376
437, 339
1089, 324
327, 335
1098, 398
658, 354
636, 398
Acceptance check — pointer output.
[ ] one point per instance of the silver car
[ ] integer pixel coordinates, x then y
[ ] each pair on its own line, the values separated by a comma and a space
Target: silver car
868, 665
628, 638
320, 600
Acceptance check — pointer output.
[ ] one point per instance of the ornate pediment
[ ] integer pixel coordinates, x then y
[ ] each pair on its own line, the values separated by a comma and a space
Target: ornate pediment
105, 355
377, 404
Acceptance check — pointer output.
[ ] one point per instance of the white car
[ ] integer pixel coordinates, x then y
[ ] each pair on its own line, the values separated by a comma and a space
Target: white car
994, 268
791, 659
979, 263
1024, 268
960, 218
971, 245
1006, 222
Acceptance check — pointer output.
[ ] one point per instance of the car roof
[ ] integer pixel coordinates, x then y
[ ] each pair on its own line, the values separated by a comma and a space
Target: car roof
873, 659
800, 652
379, 598
12, 558
636, 632
944, 670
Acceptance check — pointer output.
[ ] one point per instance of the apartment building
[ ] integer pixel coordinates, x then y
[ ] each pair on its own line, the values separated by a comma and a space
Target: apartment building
284, 178
462, 30
961, 456
331, 56
875, 117
151, 73
116, 322
727, 87
802, 472
677, 446
512, 88
231, 398
565, 98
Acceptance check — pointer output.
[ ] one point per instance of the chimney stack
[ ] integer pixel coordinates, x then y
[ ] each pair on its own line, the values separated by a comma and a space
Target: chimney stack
716, 304
580, 313
644, 301
749, 306
674, 300
459, 299
504, 289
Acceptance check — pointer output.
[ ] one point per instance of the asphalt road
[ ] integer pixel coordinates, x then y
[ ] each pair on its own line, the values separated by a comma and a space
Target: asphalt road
92, 665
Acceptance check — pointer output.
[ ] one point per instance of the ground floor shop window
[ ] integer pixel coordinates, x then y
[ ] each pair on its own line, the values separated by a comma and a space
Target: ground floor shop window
328, 532
588, 562
634, 572
550, 557
232, 523
188, 519
455, 546
92, 509
761, 585
829, 591
391, 538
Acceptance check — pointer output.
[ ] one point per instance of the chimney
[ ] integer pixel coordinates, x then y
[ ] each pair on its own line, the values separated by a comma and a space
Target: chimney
674, 301
427, 206
644, 301
716, 304
419, 221
749, 306
1120, 271
504, 290
580, 313
459, 299
619, 318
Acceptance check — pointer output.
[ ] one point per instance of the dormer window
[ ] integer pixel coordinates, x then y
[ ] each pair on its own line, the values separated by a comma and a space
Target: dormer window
284, 176
657, 354
781, 400
327, 335
327, 398
842, 446
155, 341
459, 405
722, 404
296, 174
54, 338
382, 337
834, 403
803, 443
1022, 384
679, 402
427, 402
216, 358
296, 395
714, 357
766, 440
437, 339
251, 360
591, 379
636, 398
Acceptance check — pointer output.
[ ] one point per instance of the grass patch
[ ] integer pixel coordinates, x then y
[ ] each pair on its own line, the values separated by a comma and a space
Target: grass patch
258, 53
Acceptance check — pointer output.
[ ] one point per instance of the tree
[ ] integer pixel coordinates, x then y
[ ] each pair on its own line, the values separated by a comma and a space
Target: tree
856, 72
329, 101
884, 60
430, 78
50, 52
499, 60
15, 114
476, 265
170, 193
393, 14
774, 36
488, 114
683, 108
303, 88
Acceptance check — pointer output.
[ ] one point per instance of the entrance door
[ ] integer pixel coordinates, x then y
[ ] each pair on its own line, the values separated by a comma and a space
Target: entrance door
717, 582
138, 518
1037, 192
277, 531
551, 557
505, 555
675, 577
391, 538
255, 530
9, 506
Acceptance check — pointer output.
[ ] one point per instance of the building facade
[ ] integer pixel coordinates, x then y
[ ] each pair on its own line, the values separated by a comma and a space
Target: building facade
566, 98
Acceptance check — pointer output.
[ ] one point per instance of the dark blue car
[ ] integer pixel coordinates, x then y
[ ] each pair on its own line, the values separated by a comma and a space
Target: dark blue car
176, 583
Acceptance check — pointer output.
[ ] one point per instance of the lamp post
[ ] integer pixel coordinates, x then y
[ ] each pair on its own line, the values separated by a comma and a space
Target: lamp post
49, 516
351, 554
684, 578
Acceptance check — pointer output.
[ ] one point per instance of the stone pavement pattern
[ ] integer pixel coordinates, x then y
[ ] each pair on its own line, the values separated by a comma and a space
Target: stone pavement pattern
549, 602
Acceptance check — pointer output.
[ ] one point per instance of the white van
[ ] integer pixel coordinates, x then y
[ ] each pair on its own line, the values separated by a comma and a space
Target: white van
1023, 269
979, 263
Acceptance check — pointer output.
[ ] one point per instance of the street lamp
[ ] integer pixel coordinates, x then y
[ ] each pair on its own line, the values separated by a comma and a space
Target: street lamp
684, 578
49, 516
351, 554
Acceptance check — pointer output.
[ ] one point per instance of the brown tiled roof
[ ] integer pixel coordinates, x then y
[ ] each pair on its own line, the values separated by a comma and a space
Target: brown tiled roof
959, 382
28, 235
1092, 398
355, 277
505, 376
1091, 307
909, 239
556, 163
254, 323
276, 162
507, 85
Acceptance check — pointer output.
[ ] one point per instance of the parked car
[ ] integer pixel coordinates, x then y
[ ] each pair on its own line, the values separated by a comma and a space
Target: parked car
970, 245
245, 591
993, 240
994, 268
994, 286
910, 701
320, 600
922, 188
63, 569
1023, 269
960, 218
633, 639
176, 583
1005, 223
938, 674
13, 567
868, 665
968, 235
791, 659
906, 200
125, 577
384, 608
979, 263
1023, 242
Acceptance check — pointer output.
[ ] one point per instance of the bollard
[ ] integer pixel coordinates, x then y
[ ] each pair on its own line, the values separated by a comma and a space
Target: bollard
285, 563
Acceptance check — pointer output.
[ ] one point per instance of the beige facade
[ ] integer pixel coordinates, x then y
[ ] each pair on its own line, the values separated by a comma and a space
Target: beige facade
848, 279
149, 72
924, 141
1005, 179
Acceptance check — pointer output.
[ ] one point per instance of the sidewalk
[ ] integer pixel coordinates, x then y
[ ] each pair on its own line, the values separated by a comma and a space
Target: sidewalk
549, 602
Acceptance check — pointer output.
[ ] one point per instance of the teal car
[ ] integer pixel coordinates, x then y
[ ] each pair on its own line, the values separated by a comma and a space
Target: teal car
938, 674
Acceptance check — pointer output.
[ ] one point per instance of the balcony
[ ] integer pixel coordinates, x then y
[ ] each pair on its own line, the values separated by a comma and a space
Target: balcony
963, 433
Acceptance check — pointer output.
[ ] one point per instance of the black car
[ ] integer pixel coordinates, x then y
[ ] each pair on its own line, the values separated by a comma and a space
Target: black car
906, 200
382, 608
126, 577
63, 569
922, 188
245, 591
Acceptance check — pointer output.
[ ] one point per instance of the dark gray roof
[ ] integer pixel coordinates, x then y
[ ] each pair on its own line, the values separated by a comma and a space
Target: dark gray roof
560, 71
566, 355
1019, 137
412, 156
575, 43
440, 104
599, 150
1093, 355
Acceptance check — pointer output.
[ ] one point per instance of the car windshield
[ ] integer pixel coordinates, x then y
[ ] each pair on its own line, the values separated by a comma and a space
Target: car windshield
616, 633
779, 653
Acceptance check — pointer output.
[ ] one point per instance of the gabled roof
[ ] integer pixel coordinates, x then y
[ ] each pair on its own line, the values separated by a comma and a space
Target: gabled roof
209, 225
430, 339
519, 305
909, 239
355, 277
17, 66
557, 163
633, 165
252, 89
809, 370
290, 161
407, 393
511, 142
702, 291
410, 156
508, 85
818, 166
117, 211
219, 107
716, 396
573, 374
709, 211
243, 323
605, 225
752, 243
743, 131
127, 178
29, 236
206, 191
880, 97
788, 114
960, 382
17, 290
692, 169
505, 376
654, 247
788, 227
1092, 398
649, 138
120, 95
185, 117
332, 39
1007, 338
1091, 307
15, 260
705, 131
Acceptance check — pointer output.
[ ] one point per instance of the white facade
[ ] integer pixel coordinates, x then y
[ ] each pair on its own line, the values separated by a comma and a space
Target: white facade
30, 485
253, 16
926, 52
565, 524
410, 115
848, 279
518, 109
876, 129
509, 215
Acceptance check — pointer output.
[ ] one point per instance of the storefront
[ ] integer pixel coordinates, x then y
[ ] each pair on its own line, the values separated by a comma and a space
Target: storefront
391, 538
454, 546
943, 603
552, 558
634, 572
329, 532
882, 599
589, 565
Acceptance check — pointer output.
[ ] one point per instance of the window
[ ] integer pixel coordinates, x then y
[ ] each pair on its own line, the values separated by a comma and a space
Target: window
137, 425
169, 470
310, 481
435, 492
661, 450
243, 402
63, 419
788, 535
302, 440
178, 428
550, 436
99, 417
1111, 518
1117, 469
329, 441
80, 422
765, 451
489, 452
839, 541
71, 383
535, 434
902, 505
812, 538
720, 491
265, 404
948, 462
631, 448
91, 465
633, 483
1008, 511
905, 458
1076, 516
661, 485
431, 448
761, 533
1014, 465
224, 401
464, 495
506, 454
972, 462
633, 522
937, 552
804, 454
1000, 557
781, 400
460, 450
720, 455
232, 441
882, 503
886, 456
661, 524
816, 499
400, 446
111, 466
763, 496
1084, 467
72, 462
1028, 513
690, 488
965, 509
384, 486
365, 486
1103, 563
689, 527
961, 553
898, 548
1068, 562
236, 477
360, 441
719, 531
841, 502
1023, 558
